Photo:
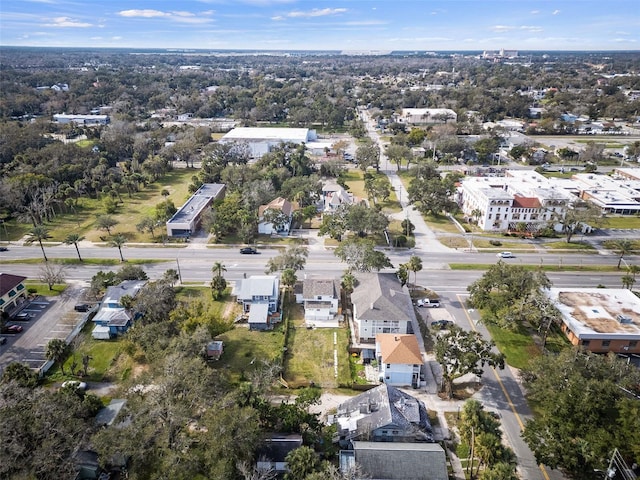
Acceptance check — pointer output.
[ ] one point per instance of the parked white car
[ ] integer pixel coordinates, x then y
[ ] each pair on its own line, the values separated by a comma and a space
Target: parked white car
505, 255
78, 385
428, 303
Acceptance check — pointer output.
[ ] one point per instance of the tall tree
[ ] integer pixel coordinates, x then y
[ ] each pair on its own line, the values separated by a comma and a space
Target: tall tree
622, 247
118, 241
580, 217
51, 274
579, 396
38, 234
106, 222
74, 239
361, 255
415, 265
288, 278
302, 462
294, 258
460, 352
218, 282
57, 350
368, 155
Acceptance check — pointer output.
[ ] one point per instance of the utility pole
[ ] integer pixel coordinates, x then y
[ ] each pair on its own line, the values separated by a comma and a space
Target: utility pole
179, 274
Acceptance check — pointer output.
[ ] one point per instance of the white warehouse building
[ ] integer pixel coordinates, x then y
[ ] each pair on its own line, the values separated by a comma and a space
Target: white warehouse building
427, 115
188, 218
263, 140
521, 197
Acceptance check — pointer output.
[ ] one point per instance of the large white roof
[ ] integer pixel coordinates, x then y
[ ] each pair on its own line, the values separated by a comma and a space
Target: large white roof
260, 133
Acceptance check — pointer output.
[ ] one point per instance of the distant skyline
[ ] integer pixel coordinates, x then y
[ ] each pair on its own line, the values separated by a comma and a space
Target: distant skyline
351, 25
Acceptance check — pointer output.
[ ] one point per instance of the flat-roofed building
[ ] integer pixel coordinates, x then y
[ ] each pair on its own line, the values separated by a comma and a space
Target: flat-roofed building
81, 119
599, 320
619, 194
426, 115
262, 140
188, 218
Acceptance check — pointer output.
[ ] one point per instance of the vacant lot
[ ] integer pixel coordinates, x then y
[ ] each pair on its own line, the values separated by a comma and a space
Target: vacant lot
310, 354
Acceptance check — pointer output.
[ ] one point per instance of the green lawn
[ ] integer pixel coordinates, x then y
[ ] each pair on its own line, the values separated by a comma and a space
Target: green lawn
245, 350
130, 212
518, 347
102, 365
43, 289
561, 245
310, 355
611, 245
626, 222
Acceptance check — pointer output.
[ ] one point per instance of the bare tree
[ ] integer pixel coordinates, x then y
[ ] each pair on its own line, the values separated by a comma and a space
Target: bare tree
51, 274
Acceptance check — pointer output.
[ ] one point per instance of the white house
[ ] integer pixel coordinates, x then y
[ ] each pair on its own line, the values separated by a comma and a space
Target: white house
321, 299
399, 359
186, 221
262, 140
281, 212
334, 195
380, 305
259, 296
81, 119
112, 318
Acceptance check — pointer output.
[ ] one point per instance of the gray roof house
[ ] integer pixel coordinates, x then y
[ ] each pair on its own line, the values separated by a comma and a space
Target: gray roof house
112, 319
396, 461
380, 305
259, 295
321, 299
383, 414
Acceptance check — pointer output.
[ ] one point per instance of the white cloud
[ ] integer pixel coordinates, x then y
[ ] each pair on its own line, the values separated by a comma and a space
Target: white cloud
180, 16
277, 18
535, 12
501, 28
555, 12
66, 22
316, 12
531, 28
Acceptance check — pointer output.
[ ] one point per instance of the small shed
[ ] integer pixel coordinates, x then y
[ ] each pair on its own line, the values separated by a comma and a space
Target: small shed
215, 349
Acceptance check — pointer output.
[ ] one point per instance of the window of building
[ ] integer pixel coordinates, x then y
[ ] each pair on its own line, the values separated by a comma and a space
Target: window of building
633, 343
606, 343
388, 366
585, 343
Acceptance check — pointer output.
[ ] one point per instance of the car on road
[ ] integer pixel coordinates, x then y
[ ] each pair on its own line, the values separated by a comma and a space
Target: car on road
441, 324
82, 307
12, 328
3, 340
78, 385
248, 250
505, 255
4, 249
428, 303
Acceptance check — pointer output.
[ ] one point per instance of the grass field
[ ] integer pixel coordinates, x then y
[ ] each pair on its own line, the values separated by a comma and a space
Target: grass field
130, 213
310, 354
518, 347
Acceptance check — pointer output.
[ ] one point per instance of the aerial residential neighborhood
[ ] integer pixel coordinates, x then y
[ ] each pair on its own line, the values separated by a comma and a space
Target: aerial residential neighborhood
383, 258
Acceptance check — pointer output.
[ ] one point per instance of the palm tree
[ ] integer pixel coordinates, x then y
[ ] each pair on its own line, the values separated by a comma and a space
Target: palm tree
74, 239
38, 234
118, 241
415, 265
622, 246
628, 281
57, 349
218, 268
288, 278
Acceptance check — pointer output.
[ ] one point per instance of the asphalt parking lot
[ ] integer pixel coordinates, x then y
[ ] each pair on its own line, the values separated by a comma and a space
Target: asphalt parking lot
42, 319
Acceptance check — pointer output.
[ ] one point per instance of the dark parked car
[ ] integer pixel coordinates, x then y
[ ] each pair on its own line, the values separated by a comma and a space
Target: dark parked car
441, 324
248, 250
22, 317
3, 340
82, 307
12, 329
4, 249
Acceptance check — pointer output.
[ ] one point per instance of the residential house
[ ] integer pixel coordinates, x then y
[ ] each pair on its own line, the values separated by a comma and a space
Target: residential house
259, 296
334, 196
275, 217
274, 450
112, 318
383, 414
599, 320
399, 359
395, 461
380, 305
321, 299
12, 291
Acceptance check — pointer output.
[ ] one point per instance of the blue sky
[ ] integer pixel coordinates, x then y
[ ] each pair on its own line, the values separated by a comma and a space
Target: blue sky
324, 24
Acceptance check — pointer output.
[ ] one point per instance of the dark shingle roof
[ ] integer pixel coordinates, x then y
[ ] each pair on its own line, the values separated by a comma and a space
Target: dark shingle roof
8, 282
380, 296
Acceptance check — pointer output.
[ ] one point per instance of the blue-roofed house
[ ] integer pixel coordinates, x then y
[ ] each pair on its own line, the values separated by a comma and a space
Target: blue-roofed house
112, 318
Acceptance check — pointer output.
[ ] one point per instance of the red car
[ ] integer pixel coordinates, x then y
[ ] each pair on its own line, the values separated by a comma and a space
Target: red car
12, 329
